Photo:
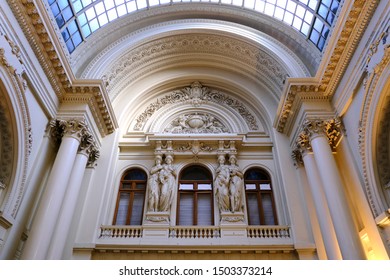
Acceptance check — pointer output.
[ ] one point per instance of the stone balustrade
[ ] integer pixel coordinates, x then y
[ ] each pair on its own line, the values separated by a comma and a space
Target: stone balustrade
265, 232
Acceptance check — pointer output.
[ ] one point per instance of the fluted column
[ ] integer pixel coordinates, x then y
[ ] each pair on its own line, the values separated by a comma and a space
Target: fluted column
87, 152
321, 206
322, 134
46, 216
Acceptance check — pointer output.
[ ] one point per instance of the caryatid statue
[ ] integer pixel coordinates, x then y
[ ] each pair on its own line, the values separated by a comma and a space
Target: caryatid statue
161, 184
236, 185
221, 184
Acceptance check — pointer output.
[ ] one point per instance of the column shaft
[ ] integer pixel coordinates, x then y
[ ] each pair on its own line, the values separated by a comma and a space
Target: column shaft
68, 206
325, 221
51, 201
347, 235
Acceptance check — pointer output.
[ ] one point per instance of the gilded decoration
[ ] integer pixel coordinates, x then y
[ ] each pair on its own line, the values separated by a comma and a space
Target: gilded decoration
351, 33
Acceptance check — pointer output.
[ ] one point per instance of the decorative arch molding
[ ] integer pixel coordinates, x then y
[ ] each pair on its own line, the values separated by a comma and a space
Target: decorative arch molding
16, 124
232, 19
373, 125
224, 52
196, 98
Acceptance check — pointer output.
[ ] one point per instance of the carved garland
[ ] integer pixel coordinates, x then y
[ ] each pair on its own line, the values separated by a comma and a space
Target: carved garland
202, 95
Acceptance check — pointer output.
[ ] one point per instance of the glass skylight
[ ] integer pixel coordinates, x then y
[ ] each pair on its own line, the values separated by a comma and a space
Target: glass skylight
78, 19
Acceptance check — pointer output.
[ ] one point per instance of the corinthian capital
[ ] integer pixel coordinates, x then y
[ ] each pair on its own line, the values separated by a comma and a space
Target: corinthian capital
297, 157
332, 129
73, 128
58, 128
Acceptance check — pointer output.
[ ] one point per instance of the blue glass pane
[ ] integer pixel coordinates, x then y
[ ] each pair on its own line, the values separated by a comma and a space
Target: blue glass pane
67, 13
51, 1
323, 11
335, 7
72, 27
65, 35
94, 25
60, 21
55, 9
321, 43
314, 36
330, 18
70, 46
63, 4
82, 19
86, 30
77, 39
77, 6
318, 24
326, 2
325, 32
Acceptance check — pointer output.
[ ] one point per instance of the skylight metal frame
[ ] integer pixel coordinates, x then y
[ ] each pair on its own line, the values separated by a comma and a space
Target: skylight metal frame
78, 19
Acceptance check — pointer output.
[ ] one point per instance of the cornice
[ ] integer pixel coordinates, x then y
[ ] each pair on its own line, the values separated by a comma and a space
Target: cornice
332, 69
39, 31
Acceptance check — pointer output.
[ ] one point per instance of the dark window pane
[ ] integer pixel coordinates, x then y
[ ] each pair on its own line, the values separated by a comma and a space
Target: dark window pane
137, 207
330, 18
335, 6
321, 43
256, 174
60, 21
135, 174
204, 209
70, 46
196, 173
123, 207
186, 209
65, 34
253, 209
266, 200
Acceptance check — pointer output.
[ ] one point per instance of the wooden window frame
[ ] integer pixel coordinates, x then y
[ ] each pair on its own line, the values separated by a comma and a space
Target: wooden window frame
258, 192
132, 190
195, 191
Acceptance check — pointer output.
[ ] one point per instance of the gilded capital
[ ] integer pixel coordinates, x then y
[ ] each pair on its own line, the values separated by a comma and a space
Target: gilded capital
332, 129
296, 155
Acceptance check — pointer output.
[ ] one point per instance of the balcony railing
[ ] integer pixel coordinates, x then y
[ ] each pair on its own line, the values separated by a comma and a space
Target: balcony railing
121, 232
195, 232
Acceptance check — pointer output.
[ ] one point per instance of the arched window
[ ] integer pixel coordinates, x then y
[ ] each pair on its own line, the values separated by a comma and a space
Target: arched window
131, 197
259, 198
195, 197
